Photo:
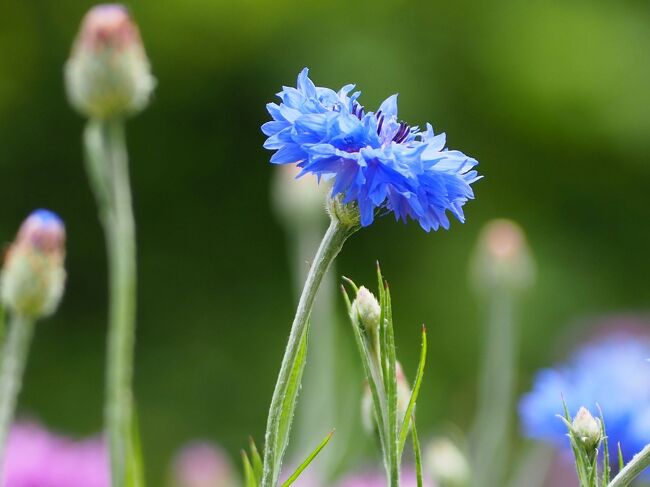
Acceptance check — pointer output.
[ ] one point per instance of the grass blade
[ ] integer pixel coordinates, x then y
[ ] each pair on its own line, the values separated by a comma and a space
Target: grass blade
256, 461
308, 460
249, 475
414, 394
134, 470
291, 396
417, 453
388, 356
373, 382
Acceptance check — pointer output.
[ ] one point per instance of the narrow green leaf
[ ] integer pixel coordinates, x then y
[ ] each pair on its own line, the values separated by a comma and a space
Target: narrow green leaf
134, 470
351, 283
607, 469
256, 461
373, 381
621, 462
414, 393
289, 403
249, 475
308, 460
417, 453
391, 389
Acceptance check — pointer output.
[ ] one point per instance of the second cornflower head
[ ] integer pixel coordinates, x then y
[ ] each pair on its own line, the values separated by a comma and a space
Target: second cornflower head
33, 276
108, 74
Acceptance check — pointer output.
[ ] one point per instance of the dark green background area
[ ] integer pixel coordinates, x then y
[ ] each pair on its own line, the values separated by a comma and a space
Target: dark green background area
550, 96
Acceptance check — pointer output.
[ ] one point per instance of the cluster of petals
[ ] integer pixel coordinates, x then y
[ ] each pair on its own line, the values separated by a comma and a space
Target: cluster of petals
373, 159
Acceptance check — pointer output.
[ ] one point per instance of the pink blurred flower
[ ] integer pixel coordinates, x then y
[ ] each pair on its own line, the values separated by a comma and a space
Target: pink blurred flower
202, 464
36, 457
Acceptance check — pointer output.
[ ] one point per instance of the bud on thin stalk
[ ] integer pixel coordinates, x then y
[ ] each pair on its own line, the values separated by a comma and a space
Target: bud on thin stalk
108, 74
32, 283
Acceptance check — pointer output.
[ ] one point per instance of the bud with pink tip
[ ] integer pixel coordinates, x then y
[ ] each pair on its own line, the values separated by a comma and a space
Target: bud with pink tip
502, 257
108, 74
33, 276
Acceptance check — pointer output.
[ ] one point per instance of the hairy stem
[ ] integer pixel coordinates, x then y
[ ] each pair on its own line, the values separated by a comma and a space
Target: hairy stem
109, 175
14, 358
632, 470
274, 448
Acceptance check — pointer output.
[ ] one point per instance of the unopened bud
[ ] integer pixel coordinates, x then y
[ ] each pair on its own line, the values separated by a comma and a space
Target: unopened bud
502, 257
202, 464
108, 73
33, 276
447, 464
587, 429
366, 309
298, 201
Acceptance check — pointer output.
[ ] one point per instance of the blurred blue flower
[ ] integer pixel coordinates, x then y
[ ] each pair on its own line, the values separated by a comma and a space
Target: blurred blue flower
374, 159
612, 373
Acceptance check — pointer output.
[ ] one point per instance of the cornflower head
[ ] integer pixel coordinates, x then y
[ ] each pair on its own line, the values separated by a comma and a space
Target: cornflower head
33, 276
611, 374
377, 162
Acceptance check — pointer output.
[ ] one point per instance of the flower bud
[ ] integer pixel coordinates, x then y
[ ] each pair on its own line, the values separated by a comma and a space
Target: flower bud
446, 463
587, 429
202, 464
33, 277
502, 257
299, 202
108, 73
366, 309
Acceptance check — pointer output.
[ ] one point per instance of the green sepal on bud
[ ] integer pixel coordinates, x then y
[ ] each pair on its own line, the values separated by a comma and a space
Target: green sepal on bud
33, 276
108, 73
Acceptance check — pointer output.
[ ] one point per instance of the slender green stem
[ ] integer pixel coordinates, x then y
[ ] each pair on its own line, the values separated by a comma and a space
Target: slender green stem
14, 358
632, 470
496, 391
329, 248
109, 175
318, 405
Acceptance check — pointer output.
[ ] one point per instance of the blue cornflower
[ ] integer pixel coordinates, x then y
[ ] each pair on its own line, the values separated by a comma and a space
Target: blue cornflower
612, 373
375, 160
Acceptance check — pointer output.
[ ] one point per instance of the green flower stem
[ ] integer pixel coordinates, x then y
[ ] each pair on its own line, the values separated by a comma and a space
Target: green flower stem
109, 174
14, 358
318, 404
632, 470
329, 248
496, 390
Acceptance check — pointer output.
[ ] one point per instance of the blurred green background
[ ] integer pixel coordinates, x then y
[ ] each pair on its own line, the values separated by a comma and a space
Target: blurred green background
550, 96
